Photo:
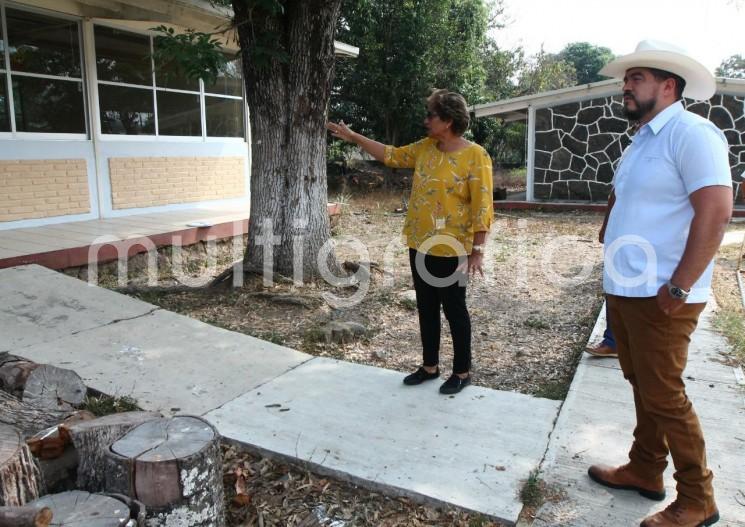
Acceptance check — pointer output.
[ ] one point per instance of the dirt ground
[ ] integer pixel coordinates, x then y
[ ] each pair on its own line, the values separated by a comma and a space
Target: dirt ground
730, 315
531, 313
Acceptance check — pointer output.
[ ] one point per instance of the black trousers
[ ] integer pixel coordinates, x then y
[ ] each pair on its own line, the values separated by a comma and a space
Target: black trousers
452, 297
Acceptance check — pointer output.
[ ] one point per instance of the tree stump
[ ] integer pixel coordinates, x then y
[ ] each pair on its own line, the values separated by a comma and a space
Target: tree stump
14, 371
174, 467
25, 516
81, 509
92, 438
51, 387
42, 385
20, 480
28, 418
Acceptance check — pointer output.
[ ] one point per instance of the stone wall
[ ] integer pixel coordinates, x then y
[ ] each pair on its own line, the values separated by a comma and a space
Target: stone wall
577, 145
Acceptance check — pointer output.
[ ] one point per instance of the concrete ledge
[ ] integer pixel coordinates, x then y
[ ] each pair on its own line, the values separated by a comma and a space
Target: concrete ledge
361, 424
79, 256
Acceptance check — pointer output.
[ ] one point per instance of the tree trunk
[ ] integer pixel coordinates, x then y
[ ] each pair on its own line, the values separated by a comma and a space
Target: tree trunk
27, 418
25, 516
288, 101
77, 508
92, 438
20, 481
174, 467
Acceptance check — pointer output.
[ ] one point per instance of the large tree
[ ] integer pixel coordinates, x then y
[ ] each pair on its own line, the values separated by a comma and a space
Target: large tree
587, 60
288, 65
732, 67
287, 54
407, 48
544, 72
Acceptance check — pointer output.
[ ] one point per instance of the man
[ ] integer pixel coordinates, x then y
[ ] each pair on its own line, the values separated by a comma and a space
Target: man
671, 203
607, 347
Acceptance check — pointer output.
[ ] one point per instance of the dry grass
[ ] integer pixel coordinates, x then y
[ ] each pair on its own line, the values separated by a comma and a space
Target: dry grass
730, 315
261, 491
530, 319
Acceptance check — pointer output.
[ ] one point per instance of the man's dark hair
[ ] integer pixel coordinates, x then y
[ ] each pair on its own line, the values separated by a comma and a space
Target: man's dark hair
662, 75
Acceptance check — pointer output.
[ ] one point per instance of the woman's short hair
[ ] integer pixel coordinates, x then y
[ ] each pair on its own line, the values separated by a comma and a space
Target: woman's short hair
450, 106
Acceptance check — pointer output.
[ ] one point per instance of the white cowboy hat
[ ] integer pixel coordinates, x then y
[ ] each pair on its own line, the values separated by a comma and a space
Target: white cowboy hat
700, 83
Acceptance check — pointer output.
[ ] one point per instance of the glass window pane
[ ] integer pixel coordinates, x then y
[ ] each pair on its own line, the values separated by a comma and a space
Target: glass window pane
4, 116
224, 117
42, 44
169, 75
126, 110
122, 56
179, 114
229, 81
49, 106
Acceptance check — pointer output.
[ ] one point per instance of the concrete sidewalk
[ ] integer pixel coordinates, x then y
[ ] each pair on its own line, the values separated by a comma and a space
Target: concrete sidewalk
360, 423
596, 424
356, 422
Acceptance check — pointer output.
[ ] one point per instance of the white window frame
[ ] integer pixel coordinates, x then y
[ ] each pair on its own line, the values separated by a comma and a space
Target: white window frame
203, 138
13, 133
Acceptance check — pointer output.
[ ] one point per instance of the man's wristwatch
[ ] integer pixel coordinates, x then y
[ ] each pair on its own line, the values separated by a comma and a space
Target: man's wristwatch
677, 292
478, 249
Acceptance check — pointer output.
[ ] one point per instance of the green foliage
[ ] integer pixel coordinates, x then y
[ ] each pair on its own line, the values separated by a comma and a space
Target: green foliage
106, 405
732, 67
587, 60
545, 72
531, 493
536, 323
407, 48
505, 142
197, 55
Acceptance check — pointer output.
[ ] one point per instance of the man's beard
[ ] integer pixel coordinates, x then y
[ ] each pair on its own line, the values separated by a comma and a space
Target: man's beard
642, 108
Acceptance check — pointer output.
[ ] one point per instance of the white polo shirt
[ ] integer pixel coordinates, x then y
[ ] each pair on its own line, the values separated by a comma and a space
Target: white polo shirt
672, 156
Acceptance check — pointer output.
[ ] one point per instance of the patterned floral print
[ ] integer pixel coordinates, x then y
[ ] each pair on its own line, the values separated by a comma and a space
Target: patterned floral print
451, 196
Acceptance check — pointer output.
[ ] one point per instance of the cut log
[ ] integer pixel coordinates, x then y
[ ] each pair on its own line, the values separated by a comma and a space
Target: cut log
25, 516
20, 480
91, 439
60, 474
56, 388
174, 467
28, 418
81, 509
43, 385
14, 371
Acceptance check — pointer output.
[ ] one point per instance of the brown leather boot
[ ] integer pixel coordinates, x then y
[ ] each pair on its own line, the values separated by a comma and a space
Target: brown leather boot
601, 350
679, 515
623, 478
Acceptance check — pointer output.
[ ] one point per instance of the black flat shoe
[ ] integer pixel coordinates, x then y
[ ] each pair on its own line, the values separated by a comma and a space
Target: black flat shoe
419, 376
454, 384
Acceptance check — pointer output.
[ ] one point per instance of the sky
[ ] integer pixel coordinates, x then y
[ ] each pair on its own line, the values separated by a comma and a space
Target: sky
711, 30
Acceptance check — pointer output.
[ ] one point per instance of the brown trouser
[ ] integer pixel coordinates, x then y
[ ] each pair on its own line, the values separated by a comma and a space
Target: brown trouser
653, 350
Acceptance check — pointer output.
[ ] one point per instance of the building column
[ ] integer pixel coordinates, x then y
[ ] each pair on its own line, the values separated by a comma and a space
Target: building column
530, 176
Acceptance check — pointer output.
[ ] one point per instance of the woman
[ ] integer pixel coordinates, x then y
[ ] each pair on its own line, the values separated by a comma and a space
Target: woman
450, 212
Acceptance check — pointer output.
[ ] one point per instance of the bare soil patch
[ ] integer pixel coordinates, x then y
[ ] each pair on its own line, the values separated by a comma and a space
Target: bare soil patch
531, 314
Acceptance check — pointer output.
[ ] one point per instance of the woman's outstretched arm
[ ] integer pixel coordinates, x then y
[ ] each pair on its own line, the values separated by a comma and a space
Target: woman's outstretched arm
343, 132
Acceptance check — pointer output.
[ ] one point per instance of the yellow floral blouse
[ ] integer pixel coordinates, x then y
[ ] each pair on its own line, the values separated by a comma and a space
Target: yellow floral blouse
451, 195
